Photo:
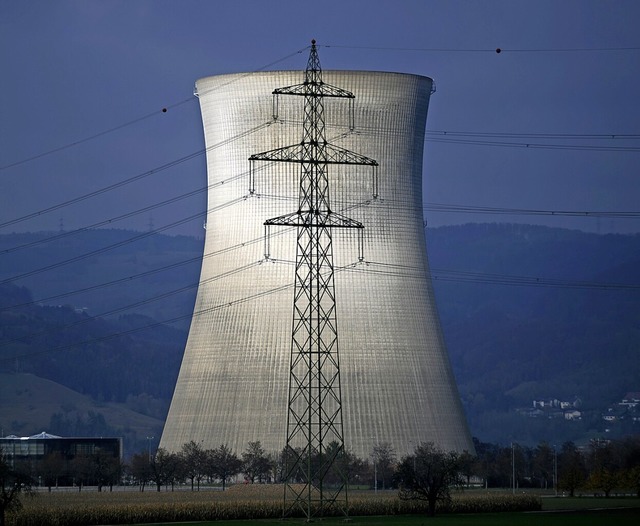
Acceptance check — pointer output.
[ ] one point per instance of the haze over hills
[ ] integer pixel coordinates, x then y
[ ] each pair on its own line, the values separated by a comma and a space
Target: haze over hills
529, 313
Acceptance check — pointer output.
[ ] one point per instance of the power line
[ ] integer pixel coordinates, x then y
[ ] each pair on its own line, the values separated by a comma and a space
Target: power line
130, 306
138, 119
466, 209
483, 138
109, 221
599, 136
537, 146
134, 178
428, 207
497, 50
90, 137
128, 279
444, 134
120, 243
447, 275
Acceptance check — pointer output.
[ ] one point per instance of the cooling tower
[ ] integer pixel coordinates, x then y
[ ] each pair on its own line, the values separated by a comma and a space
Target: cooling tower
397, 382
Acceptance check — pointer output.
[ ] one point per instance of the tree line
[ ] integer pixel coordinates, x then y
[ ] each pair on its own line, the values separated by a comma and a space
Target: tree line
428, 473
600, 467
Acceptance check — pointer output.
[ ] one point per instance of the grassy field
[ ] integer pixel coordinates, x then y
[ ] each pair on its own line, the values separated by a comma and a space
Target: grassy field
582, 511
258, 504
615, 517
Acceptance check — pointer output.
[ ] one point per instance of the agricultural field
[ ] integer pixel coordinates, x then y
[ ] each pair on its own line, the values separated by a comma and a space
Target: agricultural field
245, 504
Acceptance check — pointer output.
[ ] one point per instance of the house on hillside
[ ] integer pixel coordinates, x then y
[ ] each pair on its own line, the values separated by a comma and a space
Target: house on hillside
631, 400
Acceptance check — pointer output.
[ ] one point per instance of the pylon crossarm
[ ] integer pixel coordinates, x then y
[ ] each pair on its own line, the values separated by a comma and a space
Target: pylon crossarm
314, 89
307, 219
337, 155
328, 154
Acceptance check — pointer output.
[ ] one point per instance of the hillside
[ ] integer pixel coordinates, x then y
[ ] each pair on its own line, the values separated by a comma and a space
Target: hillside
521, 308
106, 257
559, 336
28, 402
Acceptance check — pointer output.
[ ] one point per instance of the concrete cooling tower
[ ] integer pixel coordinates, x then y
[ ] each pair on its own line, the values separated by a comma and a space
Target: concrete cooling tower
396, 380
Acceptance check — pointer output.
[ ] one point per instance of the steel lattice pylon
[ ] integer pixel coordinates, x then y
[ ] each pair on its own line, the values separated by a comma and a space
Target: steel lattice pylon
315, 478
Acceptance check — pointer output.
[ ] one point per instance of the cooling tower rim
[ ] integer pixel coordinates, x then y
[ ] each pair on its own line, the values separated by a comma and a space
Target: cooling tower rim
250, 74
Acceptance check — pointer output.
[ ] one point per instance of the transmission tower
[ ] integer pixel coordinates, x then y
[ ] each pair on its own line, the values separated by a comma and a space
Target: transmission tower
314, 470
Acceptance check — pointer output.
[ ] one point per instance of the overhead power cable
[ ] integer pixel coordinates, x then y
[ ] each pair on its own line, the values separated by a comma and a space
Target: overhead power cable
432, 207
130, 306
126, 279
138, 119
497, 50
466, 209
90, 137
487, 139
134, 178
120, 243
595, 136
463, 276
536, 146
109, 221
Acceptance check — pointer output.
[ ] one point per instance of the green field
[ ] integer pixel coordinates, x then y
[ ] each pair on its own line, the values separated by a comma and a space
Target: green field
611, 517
618, 517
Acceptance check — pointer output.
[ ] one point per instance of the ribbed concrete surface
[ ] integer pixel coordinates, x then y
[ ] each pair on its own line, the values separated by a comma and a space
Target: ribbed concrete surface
397, 383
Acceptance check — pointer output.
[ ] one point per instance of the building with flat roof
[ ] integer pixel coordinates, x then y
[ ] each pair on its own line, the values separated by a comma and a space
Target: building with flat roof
33, 451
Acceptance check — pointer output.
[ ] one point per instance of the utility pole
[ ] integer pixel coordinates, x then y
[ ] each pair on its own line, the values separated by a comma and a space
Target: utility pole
315, 481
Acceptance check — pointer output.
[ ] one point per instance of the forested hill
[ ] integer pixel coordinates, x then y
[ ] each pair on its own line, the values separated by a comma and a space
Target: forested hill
528, 313
534, 313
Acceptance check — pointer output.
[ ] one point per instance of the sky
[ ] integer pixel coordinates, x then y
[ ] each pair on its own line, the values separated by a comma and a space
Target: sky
84, 84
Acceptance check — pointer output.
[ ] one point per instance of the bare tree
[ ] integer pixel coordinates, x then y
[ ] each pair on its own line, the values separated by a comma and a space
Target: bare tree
542, 461
223, 464
429, 474
81, 467
255, 462
106, 469
52, 467
194, 462
141, 469
163, 467
571, 467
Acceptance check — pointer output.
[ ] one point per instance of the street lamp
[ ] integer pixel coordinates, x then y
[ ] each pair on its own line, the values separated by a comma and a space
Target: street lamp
149, 439
375, 468
413, 455
555, 470
513, 467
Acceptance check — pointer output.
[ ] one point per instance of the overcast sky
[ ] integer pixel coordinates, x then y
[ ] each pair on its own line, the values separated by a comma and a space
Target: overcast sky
84, 83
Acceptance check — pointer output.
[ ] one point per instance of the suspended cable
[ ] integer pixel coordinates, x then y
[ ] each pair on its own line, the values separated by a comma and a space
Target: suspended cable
537, 146
135, 177
458, 138
465, 209
130, 306
120, 243
109, 221
462, 276
483, 50
598, 136
98, 286
428, 207
89, 138
128, 279
139, 119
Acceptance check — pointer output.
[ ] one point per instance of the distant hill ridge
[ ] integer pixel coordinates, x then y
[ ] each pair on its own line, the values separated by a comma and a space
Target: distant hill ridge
509, 342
